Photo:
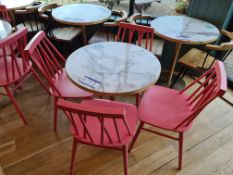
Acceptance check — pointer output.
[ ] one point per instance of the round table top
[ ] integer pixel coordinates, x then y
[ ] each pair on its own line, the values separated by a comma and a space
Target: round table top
185, 30
5, 29
16, 4
113, 68
81, 14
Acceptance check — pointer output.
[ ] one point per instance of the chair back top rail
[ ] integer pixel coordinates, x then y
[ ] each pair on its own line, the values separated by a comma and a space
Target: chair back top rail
84, 113
46, 57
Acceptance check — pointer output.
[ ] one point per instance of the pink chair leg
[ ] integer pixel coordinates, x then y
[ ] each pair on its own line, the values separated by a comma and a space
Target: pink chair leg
180, 150
40, 81
74, 150
12, 98
125, 157
136, 135
55, 114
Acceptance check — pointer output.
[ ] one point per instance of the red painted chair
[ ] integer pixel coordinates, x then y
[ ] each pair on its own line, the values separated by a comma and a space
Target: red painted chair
101, 123
49, 61
174, 110
132, 33
15, 68
4, 13
140, 35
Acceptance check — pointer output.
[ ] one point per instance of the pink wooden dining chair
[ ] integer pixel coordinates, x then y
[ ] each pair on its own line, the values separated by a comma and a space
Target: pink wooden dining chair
101, 123
174, 110
4, 13
50, 63
132, 33
140, 35
15, 68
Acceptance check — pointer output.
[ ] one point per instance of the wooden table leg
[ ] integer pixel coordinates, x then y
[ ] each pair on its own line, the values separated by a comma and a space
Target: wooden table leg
172, 68
84, 35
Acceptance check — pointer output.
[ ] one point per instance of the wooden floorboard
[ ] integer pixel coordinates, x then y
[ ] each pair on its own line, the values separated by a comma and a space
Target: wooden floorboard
37, 150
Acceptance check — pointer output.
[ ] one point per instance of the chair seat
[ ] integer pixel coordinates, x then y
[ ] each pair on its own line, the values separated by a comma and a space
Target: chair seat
195, 58
94, 125
66, 33
164, 108
12, 77
67, 88
32, 27
157, 46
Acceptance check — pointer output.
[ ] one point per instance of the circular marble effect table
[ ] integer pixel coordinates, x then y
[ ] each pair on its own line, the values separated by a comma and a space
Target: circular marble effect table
12, 5
113, 68
184, 30
81, 15
16, 4
5, 29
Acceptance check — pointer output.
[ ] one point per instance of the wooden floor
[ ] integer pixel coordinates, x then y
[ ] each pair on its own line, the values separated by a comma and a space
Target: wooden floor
37, 150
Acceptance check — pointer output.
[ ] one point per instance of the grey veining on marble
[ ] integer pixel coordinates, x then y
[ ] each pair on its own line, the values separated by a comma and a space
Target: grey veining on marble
185, 29
5, 29
16, 4
120, 68
82, 14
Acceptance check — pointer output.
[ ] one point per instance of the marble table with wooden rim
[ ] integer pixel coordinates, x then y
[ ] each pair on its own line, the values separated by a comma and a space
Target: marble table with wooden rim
81, 15
5, 29
16, 4
113, 68
12, 5
184, 30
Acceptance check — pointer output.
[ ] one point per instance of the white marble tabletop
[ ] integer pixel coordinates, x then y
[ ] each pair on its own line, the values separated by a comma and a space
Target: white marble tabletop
5, 29
16, 4
113, 68
185, 30
81, 14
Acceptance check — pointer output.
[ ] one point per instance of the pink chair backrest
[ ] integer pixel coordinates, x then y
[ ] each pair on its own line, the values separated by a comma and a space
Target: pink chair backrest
12, 48
131, 33
204, 89
4, 13
46, 57
115, 117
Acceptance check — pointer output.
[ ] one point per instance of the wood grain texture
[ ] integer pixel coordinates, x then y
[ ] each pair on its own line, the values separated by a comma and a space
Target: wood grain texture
39, 150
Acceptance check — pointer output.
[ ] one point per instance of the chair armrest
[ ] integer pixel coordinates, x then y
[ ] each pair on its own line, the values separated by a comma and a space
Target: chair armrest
44, 16
24, 11
111, 24
123, 17
212, 47
227, 34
